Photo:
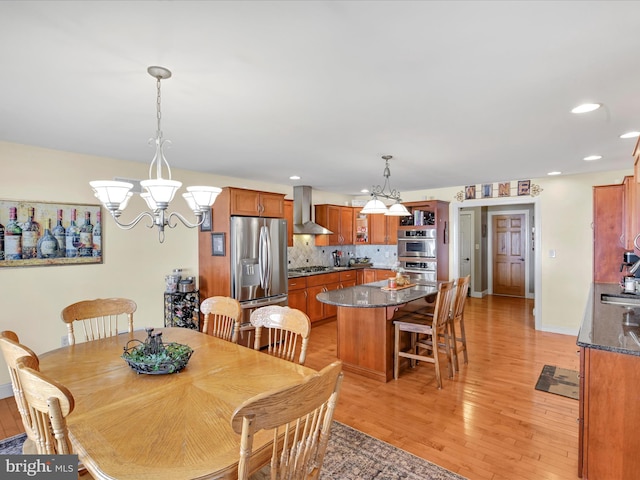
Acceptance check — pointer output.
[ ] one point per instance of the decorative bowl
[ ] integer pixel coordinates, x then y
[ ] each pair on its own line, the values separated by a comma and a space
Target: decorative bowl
152, 357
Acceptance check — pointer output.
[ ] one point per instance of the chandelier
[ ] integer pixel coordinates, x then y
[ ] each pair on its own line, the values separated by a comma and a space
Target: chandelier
377, 206
159, 191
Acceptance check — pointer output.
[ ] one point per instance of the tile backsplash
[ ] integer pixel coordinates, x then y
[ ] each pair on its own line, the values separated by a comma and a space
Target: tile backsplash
305, 253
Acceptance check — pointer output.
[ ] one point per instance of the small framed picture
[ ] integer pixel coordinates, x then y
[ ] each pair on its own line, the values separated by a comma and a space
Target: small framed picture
217, 244
487, 190
524, 187
205, 226
504, 189
470, 192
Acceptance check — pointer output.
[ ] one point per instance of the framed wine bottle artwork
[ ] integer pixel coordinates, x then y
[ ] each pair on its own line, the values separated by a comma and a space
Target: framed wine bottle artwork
43, 233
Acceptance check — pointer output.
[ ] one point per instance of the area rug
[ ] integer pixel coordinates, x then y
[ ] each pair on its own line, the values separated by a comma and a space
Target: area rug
560, 381
351, 455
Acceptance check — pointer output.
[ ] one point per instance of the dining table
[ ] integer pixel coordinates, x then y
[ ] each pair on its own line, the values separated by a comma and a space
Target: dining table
129, 425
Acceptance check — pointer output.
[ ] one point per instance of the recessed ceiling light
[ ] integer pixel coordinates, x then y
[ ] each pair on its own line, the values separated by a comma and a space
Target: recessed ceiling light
586, 107
294, 177
364, 190
554, 173
630, 135
591, 158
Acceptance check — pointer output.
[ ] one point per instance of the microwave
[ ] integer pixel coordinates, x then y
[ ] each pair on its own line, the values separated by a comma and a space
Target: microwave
417, 243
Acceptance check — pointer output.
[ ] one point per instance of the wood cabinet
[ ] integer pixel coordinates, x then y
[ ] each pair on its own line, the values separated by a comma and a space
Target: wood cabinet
321, 283
255, 203
298, 293
383, 229
370, 275
288, 216
608, 232
360, 228
608, 436
337, 219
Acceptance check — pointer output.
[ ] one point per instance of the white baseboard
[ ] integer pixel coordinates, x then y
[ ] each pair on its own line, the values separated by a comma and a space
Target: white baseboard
6, 390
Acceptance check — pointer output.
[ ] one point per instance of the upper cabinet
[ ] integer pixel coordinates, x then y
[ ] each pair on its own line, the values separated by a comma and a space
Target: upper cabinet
608, 232
288, 216
339, 220
253, 203
383, 229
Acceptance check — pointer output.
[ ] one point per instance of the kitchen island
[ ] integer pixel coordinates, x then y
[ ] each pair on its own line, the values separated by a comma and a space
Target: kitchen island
609, 341
365, 324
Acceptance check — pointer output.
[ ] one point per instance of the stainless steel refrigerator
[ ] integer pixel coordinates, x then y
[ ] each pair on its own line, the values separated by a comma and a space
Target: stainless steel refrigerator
258, 262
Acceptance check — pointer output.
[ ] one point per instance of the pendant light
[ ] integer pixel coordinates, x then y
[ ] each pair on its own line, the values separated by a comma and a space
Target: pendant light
375, 205
159, 191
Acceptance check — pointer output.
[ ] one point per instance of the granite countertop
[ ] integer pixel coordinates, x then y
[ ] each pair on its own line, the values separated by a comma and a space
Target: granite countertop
357, 266
371, 295
610, 327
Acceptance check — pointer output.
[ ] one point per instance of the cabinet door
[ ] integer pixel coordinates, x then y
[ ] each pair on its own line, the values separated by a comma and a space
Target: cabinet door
330, 310
346, 225
384, 274
288, 216
315, 309
368, 275
608, 233
245, 202
329, 217
298, 300
378, 226
271, 205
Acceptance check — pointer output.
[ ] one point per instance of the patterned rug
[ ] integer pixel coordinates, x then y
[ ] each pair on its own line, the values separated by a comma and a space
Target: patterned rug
560, 381
351, 455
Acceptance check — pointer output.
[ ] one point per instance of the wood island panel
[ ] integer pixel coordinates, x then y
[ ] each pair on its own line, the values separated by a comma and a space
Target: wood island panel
365, 341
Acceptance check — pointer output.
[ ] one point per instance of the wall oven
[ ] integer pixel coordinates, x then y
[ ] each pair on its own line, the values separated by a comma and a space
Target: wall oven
419, 243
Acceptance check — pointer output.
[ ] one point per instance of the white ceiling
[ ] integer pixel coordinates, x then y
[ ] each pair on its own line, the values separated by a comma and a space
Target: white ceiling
458, 92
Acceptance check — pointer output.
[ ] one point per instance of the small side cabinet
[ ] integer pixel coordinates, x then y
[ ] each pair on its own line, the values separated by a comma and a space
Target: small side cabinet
182, 310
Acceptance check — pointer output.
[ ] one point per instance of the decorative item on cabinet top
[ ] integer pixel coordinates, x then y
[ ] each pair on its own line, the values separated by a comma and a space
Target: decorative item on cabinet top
46, 234
503, 189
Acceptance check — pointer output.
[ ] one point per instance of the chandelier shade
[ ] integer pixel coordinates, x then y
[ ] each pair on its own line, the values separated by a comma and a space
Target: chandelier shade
376, 206
158, 191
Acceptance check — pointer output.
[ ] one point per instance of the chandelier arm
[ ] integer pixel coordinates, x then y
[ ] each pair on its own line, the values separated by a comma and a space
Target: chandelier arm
185, 222
128, 226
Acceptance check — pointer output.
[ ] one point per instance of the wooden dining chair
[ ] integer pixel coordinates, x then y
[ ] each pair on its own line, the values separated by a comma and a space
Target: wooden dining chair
100, 318
222, 317
300, 416
12, 350
459, 341
285, 327
424, 332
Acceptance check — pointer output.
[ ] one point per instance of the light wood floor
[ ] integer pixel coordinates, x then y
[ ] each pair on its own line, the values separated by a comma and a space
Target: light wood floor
489, 423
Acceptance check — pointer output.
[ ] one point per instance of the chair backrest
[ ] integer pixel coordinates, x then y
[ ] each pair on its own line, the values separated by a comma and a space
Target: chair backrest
222, 317
100, 318
12, 350
442, 307
49, 403
285, 326
462, 289
301, 417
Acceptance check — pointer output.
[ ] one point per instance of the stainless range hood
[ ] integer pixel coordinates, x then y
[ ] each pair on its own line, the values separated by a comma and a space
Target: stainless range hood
302, 224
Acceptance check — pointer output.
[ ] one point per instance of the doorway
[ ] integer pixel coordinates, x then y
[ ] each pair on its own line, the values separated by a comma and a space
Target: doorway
511, 205
466, 247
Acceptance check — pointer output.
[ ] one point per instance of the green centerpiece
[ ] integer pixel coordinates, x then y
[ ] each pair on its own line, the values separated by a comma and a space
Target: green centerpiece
153, 357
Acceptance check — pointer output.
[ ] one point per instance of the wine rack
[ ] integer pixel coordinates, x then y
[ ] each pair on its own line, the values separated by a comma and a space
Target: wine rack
182, 310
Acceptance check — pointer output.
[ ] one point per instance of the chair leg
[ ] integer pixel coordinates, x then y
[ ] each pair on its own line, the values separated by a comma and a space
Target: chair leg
454, 346
396, 353
437, 363
463, 339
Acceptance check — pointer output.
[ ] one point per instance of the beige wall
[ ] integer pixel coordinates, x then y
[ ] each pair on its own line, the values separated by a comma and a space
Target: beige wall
135, 263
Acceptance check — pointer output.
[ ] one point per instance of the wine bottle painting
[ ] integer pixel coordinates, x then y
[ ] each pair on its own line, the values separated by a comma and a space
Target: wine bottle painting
42, 233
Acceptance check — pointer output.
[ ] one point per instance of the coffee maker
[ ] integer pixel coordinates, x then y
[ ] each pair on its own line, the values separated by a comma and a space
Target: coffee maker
629, 259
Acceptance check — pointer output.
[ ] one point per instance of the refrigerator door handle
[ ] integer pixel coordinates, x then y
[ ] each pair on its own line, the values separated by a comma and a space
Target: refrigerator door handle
264, 259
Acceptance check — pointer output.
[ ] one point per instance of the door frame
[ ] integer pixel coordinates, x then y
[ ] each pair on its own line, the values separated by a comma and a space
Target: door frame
527, 247
472, 253
492, 202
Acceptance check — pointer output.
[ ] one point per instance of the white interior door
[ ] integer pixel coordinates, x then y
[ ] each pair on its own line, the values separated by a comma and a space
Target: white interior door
465, 246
